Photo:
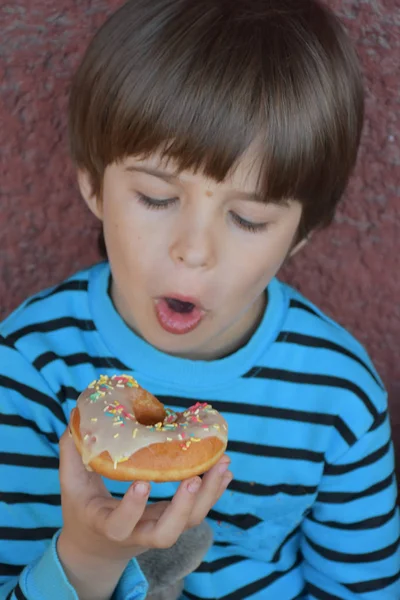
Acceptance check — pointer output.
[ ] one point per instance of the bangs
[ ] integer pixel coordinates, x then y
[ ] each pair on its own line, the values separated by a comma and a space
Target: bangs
201, 82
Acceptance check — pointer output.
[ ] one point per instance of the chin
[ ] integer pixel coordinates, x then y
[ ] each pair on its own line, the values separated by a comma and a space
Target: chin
176, 345
169, 343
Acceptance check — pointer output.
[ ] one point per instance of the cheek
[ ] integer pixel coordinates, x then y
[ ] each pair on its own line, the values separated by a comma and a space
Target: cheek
255, 279
252, 270
121, 227
245, 281
125, 247
261, 262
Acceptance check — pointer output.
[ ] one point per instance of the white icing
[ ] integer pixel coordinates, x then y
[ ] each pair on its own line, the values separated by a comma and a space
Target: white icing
108, 422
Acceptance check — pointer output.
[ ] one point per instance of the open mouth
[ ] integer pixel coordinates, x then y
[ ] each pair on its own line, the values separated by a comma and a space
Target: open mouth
178, 316
180, 306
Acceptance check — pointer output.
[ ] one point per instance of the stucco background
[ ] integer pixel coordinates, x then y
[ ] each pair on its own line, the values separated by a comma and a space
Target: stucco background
351, 271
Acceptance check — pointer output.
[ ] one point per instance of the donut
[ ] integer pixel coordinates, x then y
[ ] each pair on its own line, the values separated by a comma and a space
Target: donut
123, 432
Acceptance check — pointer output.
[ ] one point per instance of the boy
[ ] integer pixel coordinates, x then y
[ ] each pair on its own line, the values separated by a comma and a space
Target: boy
210, 138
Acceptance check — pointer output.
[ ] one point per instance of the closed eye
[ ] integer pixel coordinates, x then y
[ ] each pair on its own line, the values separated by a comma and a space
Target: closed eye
155, 203
247, 225
163, 203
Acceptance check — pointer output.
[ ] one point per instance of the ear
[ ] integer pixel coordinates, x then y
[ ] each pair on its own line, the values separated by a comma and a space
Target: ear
300, 245
91, 199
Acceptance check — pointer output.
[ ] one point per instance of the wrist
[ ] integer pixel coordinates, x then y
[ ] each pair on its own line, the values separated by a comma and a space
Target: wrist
93, 576
91, 555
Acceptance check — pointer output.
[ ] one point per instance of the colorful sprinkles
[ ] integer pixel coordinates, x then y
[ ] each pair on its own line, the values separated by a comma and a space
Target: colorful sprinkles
103, 387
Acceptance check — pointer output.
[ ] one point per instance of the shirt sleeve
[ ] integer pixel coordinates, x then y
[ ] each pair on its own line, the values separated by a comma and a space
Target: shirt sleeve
45, 579
31, 422
350, 540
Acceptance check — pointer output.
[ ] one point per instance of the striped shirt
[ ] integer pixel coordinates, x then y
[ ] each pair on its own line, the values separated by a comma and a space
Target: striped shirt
311, 512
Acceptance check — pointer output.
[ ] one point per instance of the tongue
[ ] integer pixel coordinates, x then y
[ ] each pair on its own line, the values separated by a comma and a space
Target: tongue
179, 306
176, 316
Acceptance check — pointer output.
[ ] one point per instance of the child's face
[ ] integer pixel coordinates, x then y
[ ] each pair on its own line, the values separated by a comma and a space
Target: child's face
203, 243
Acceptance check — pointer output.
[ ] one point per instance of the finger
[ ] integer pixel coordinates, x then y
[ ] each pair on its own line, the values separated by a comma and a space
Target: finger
213, 479
227, 478
71, 466
74, 477
174, 520
213, 485
118, 523
154, 511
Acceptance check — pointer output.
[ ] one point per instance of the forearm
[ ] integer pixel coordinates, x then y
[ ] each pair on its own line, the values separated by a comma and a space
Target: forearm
93, 578
351, 538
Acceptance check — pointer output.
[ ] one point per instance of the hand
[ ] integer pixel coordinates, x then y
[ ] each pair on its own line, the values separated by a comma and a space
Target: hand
101, 530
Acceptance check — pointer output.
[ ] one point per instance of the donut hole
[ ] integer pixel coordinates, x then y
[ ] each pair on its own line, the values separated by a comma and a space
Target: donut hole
147, 409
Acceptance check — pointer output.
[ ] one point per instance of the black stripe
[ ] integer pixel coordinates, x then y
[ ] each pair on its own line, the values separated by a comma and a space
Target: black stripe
7, 570
34, 395
5, 342
275, 451
219, 564
80, 358
367, 460
302, 595
29, 460
26, 534
67, 392
52, 325
270, 412
302, 306
371, 523
262, 583
244, 521
259, 489
379, 420
17, 421
22, 498
316, 342
321, 594
68, 286
342, 497
314, 379
9, 595
373, 584
365, 557
277, 556
255, 586
19, 594
222, 544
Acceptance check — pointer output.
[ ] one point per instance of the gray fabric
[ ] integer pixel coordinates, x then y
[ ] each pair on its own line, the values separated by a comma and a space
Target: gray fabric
166, 569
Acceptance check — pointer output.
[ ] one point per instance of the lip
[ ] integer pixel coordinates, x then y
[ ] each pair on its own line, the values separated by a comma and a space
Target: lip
175, 322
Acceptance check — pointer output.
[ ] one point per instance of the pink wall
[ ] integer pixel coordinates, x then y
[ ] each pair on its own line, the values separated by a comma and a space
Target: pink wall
352, 272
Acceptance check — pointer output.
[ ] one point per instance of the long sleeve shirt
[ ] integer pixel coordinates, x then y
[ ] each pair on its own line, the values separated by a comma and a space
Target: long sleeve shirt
311, 513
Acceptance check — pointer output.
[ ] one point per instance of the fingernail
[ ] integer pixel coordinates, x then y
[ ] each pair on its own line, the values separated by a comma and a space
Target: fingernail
194, 486
141, 489
223, 468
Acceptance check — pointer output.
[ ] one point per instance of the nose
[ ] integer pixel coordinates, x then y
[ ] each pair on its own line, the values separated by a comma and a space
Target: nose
193, 245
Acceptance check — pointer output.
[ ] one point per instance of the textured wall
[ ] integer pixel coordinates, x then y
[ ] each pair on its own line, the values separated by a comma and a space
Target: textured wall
46, 233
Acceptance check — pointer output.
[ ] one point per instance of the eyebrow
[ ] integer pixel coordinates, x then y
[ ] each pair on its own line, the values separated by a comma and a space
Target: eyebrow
171, 177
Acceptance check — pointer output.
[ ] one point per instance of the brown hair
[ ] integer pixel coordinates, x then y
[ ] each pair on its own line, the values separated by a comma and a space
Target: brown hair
203, 80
